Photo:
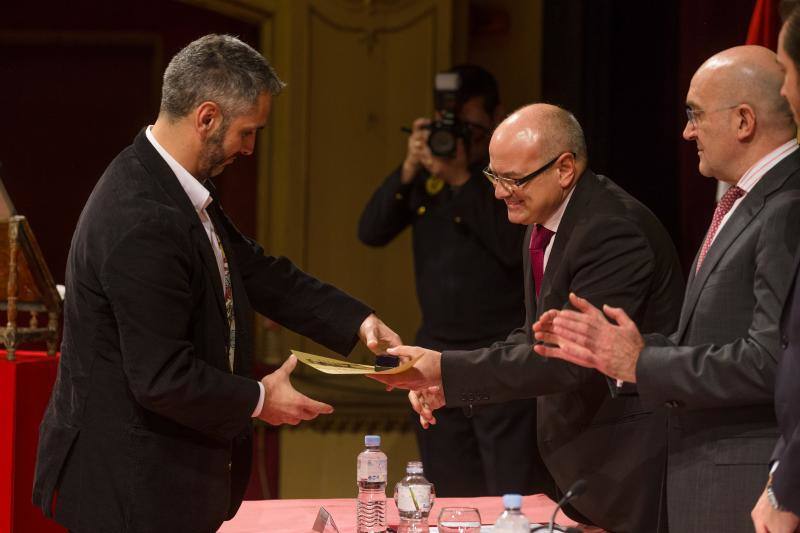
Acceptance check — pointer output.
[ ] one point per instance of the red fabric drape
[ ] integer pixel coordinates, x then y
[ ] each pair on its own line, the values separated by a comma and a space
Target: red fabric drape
764, 24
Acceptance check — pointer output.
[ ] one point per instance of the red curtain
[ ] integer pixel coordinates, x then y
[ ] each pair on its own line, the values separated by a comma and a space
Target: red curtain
764, 24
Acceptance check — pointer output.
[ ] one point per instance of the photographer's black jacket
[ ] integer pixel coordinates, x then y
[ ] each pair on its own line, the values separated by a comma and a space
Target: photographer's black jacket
467, 257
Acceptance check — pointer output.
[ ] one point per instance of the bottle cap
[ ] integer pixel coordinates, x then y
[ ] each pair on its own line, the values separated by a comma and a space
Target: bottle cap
414, 467
512, 501
372, 440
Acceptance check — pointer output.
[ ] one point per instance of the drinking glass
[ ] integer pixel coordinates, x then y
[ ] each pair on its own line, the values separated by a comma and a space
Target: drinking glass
459, 520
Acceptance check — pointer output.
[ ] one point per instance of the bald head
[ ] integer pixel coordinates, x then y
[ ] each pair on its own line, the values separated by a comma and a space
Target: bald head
541, 148
540, 129
737, 112
747, 75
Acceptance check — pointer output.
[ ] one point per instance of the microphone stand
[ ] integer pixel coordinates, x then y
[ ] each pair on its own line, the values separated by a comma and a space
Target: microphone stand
577, 488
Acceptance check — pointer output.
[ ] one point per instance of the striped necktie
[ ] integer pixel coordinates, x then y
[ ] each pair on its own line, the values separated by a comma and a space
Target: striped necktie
227, 290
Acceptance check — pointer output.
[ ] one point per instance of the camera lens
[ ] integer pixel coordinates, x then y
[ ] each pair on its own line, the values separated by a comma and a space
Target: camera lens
442, 142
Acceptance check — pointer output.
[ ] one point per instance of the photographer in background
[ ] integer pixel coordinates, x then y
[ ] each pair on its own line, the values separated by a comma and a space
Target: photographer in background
468, 266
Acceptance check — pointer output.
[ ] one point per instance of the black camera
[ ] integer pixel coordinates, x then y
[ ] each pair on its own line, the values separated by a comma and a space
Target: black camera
446, 131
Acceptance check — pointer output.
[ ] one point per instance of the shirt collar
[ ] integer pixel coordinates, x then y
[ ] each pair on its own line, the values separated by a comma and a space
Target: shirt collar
754, 174
197, 193
554, 221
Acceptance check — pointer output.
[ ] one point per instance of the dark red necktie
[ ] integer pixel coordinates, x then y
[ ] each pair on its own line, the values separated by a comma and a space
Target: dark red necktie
540, 237
724, 205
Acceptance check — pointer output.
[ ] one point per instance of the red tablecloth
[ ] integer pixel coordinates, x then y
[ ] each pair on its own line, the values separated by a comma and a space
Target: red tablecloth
25, 386
298, 515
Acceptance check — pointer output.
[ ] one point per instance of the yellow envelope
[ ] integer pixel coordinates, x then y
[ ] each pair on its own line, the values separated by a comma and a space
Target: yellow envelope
330, 365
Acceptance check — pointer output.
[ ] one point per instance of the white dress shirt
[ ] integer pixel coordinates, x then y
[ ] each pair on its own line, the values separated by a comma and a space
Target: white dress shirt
201, 199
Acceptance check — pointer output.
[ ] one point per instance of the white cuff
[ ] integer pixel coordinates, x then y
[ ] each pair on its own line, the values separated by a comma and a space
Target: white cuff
260, 403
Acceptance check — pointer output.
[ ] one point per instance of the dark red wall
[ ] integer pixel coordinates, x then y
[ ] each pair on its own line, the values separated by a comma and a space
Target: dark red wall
78, 80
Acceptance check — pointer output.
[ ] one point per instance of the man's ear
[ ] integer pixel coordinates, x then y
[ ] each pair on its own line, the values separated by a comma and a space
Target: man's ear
207, 118
567, 170
745, 118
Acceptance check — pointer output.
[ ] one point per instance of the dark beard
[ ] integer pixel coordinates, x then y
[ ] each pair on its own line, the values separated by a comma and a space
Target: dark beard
213, 154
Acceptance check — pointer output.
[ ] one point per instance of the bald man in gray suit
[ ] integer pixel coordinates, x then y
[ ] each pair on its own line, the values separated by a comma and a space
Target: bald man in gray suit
716, 373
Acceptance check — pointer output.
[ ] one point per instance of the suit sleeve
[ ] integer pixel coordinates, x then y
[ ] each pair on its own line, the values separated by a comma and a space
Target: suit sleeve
741, 372
147, 277
487, 218
278, 289
611, 262
387, 213
786, 479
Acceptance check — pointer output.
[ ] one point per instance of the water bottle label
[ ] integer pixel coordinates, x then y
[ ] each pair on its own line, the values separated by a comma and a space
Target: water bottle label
372, 469
414, 498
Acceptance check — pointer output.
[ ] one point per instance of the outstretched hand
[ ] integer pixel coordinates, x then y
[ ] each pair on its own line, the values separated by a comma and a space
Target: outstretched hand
585, 337
283, 404
426, 372
377, 336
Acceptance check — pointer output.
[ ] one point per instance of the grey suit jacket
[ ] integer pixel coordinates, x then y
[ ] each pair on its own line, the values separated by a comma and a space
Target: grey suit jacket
610, 249
716, 373
786, 478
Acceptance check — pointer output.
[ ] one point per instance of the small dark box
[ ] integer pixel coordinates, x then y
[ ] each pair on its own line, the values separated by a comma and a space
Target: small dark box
385, 362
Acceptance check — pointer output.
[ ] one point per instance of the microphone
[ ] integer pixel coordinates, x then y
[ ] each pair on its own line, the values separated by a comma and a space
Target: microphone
577, 488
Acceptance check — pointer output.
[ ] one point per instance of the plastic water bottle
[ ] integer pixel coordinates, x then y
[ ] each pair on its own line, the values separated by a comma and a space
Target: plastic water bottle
371, 503
512, 520
414, 497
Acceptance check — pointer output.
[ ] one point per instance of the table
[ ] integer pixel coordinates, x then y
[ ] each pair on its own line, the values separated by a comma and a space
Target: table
298, 515
25, 385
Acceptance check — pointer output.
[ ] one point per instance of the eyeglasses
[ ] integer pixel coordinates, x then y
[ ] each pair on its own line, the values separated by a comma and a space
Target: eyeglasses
692, 115
510, 184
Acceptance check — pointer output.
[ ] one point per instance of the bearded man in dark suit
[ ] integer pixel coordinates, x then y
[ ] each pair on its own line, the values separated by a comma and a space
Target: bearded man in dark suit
150, 422
584, 234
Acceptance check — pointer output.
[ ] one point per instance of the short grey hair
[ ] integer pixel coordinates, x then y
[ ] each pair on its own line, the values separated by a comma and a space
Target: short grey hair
563, 132
217, 68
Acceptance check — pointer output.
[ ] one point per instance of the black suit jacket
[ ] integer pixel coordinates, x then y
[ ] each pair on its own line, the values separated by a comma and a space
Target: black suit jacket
716, 373
147, 429
786, 479
610, 249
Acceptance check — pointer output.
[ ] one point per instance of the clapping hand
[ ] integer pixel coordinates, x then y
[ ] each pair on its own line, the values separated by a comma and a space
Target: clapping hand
425, 402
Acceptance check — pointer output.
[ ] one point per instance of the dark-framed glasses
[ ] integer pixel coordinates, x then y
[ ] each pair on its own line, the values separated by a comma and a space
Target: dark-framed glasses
512, 184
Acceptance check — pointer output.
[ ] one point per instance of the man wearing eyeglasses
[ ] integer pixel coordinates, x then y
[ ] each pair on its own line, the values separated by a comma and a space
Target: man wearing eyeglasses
584, 234
716, 371
469, 285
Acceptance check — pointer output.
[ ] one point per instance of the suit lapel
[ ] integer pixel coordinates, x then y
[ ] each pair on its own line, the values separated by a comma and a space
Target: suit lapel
159, 169
583, 193
688, 295
750, 206
531, 304
240, 301
210, 264
789, 301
